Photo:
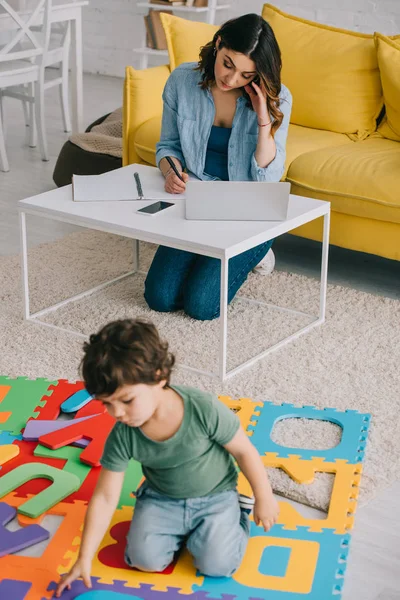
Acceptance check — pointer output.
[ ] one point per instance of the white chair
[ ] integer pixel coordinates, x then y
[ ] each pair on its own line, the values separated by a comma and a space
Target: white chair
16, 68
57, 54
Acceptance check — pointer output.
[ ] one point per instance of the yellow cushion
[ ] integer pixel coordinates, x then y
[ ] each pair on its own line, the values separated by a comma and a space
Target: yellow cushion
332, 74
304, 139
388, 51
356, 233
361, 178
146, 139
142, 101
185, 38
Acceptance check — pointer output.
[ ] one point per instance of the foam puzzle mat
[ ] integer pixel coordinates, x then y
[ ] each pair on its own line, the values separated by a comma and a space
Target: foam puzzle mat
298, 559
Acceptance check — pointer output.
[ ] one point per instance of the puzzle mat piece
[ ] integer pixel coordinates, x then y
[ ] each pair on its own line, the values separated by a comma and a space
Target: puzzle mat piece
65, 539
14, 541
64, 483
183, 575
14, 590
30, 452
61, 390
23, 397
95, 429
77, 401
8, 438
351, 447
244, 408
144, 592
7, 453
40, 571
312, 570
345, 491
35, 582
114, 555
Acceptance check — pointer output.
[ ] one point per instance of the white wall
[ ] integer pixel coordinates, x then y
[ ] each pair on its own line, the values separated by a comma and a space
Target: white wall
111, 29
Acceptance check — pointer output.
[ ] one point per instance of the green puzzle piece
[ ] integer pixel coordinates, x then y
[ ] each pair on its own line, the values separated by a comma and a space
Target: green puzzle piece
73, 465
21, 400
64, 484
71, 455
132, 478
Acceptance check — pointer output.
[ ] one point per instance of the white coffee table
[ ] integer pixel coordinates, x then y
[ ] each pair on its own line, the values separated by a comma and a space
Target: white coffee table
221, 240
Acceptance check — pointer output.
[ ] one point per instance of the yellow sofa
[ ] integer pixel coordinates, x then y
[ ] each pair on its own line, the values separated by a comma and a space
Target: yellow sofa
340, 82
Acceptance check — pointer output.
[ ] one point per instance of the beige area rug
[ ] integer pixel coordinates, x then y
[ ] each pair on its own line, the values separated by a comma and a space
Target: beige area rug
351, 362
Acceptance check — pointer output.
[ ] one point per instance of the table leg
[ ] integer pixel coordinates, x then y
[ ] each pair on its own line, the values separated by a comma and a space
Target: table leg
24, 263
76, 74
223, 318
135, 257
324, 267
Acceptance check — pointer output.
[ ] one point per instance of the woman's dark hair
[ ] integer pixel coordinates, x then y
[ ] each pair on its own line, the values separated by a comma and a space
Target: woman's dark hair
125, 352
253, 36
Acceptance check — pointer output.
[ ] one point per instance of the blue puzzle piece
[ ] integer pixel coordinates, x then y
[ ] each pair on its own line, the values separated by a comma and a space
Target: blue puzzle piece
6, 437
118, 591
76, 401
327, 578
351, 447
101, 595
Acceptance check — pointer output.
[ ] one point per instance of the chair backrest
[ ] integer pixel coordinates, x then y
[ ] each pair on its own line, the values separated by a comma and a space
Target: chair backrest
22, 26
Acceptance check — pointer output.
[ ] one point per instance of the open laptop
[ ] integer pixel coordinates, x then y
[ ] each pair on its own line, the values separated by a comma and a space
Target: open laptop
237, 200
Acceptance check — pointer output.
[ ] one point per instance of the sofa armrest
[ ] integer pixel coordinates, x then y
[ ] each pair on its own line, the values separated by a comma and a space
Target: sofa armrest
142, 101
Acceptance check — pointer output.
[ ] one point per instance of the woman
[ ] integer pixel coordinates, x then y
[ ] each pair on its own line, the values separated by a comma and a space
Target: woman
226, 118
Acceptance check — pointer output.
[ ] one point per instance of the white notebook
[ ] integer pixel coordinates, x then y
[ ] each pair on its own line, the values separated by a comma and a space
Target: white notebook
120, 185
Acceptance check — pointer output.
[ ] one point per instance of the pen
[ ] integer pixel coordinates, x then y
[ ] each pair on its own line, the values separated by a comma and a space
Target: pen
138, 186
173, 167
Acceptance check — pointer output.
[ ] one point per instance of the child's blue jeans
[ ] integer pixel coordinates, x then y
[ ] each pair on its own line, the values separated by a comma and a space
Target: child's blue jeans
178, 279
214, 529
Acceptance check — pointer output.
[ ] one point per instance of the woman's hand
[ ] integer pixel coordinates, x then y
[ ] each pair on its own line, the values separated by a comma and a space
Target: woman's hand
266, 512
173, 185
258, 100
82, 569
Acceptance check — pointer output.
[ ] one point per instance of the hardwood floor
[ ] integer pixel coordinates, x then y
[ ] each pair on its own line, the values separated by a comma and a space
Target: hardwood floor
373, 571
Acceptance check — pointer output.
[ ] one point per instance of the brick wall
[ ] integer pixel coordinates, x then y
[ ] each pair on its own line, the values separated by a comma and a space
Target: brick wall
112, 29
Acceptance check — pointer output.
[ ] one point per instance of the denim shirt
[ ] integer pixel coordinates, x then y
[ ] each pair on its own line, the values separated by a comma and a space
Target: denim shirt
188, 115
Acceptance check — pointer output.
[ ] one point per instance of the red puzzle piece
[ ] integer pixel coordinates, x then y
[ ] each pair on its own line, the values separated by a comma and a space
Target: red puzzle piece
96, 430
113, 555
63, 390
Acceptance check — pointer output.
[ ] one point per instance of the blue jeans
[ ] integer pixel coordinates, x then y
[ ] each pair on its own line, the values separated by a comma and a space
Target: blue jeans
214, 529
183, 280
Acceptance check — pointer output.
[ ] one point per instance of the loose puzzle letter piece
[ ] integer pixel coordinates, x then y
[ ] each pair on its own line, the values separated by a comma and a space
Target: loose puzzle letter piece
35, 428
95, 429
76, 401
63, 484
13, 541
351, 447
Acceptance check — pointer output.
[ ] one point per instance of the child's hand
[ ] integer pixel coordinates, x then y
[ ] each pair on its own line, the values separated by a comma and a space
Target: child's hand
82, 569
266, 512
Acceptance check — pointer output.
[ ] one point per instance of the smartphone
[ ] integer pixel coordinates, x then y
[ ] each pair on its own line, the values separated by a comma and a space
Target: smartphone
156, 207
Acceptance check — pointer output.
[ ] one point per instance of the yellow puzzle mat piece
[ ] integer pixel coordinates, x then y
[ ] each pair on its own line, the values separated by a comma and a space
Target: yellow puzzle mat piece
344, 496
243, 407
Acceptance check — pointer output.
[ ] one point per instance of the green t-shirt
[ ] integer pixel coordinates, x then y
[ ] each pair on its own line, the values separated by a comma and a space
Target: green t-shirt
190, 464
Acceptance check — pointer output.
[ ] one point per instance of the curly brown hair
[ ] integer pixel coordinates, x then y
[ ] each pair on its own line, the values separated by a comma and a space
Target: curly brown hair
125, 352
253, 36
